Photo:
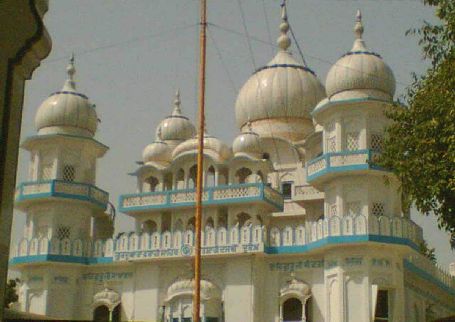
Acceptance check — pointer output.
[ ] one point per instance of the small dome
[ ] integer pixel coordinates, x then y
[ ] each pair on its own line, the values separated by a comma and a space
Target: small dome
361, 70
248, 144
157, 151
284, 89
67, 111
176, 127
212, 147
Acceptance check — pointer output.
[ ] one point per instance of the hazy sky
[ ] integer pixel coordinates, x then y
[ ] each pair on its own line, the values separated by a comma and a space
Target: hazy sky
131, 56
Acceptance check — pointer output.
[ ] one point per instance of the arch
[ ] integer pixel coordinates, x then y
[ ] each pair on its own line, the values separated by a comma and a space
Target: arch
149, 226
242, 174
223, 176
192, 177
152, 182
243, 219
180, 179
210, 178
292, 310
209, 223
101, 314
167, 181
190, 224
178, 225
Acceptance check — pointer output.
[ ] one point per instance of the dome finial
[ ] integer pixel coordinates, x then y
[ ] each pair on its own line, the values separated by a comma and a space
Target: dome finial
283, 40
177, 110
358, 29
359, 44
70, 70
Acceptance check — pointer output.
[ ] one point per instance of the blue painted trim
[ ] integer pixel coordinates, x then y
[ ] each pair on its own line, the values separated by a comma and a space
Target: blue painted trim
60, 259
53, 193
285, 66
335, 240
426, 276
210, 191
70, 93
332, 169
330, 103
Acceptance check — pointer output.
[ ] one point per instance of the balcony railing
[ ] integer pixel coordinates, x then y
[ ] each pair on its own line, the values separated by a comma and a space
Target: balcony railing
226, 194
307, 193
28, 191
341, 161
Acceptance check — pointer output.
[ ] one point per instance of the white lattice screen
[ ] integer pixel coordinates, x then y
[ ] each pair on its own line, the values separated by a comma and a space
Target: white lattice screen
352, 141
333, 210
377, 209
331, 144
63, 232
69, 173
376, 142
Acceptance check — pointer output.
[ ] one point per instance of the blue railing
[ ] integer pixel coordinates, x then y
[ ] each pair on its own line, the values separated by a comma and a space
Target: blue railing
341, 161
33, 190
223, 194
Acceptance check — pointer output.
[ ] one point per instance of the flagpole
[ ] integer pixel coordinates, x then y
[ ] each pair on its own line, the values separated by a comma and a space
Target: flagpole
200, 161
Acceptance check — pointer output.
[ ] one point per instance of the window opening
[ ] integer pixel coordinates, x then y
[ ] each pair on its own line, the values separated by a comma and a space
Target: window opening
377, 209
63, 232
286, 189
382, 307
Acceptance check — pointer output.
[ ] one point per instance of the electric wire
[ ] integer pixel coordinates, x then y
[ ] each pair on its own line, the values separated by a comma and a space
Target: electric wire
267, 25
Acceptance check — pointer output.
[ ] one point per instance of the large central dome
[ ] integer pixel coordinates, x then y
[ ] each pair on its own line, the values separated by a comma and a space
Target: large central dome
280, 95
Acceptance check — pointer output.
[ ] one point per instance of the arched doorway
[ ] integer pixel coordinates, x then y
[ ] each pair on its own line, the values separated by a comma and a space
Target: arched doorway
292, 310
101, 314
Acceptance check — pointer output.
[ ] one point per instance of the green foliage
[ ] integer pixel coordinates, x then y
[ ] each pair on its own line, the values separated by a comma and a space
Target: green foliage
420, 143
428, 252
10, 292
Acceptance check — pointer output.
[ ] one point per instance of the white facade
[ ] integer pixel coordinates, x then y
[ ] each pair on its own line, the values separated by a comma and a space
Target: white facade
299, 224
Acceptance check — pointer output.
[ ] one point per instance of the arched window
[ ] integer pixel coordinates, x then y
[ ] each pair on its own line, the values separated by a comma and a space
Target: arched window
292, 310
149, 227
242, 174
210, 180
152, 183
222, 219
192, 177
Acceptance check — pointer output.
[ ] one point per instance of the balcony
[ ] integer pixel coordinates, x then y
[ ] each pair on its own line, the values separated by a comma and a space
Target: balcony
28, 192
256, 193
307, 193
330, 164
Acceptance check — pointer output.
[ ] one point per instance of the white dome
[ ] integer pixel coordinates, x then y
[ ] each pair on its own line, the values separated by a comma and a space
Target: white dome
176, 127
283, 89
212, 147
67, 111
185, 287
361, 70
157, 151
248, 144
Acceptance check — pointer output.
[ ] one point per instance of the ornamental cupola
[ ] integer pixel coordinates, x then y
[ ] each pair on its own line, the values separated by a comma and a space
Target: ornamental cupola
67, 111
279, 97
360, 72
176, 127
157, 152
248, 144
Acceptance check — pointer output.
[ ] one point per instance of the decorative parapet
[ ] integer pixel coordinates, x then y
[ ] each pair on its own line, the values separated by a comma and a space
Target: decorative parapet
349, 226
341, 161
428, 270
226, 194
28, 191
307, 193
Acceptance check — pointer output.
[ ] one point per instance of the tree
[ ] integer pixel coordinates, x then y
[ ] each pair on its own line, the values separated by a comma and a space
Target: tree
10, 292
420, 144
428, 252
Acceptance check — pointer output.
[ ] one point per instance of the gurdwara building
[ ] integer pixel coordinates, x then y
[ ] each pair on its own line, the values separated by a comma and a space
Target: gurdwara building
299, 222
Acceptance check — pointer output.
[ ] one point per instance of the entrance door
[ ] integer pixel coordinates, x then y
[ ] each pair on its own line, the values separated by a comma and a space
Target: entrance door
292, 310
101, 314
